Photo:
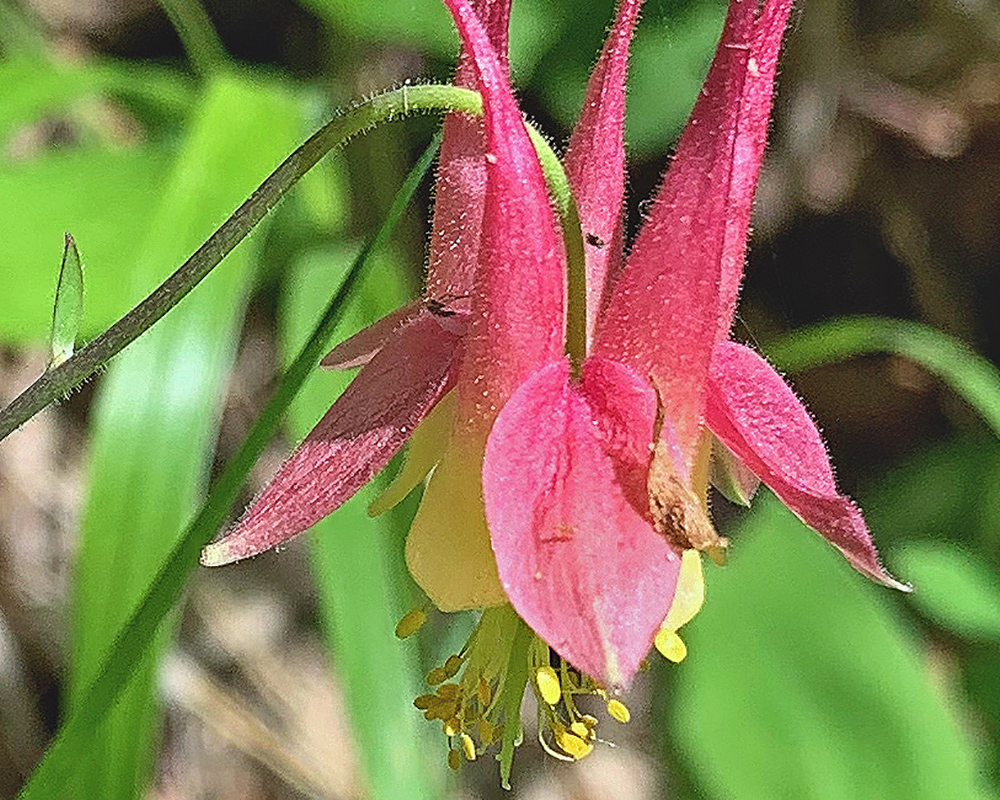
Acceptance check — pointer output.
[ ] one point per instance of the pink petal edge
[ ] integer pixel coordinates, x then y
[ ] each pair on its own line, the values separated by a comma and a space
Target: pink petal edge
564, 468
356, 438
758, 417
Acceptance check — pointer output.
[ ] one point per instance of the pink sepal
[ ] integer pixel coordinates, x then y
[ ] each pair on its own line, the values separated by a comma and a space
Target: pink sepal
518, 314
356, 438
565, 469
595, 159
362, 346
674, 296
758, 417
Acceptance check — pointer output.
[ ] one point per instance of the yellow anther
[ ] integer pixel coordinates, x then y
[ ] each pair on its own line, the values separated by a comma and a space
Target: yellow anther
581, 730
548, 684
486, 732
469, 747
483, 691
618, 710
441, 709
572, 744
452, 666
425, 701
452, 727
411, 622
436, 676
589, 721
448, 691
454, 760
670, 645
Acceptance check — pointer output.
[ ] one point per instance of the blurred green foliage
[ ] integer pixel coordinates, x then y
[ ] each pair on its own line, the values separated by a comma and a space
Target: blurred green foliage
802, 680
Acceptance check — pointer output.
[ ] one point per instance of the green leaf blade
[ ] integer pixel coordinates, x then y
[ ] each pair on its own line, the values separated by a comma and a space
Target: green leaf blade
67, 310
156, 417
802, 683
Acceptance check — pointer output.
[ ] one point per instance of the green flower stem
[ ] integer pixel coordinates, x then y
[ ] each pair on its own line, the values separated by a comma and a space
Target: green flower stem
138, 633
89, 359
197, 35
969, 375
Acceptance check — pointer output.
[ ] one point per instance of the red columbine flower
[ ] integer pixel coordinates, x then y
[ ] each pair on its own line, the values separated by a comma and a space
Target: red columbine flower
572, 486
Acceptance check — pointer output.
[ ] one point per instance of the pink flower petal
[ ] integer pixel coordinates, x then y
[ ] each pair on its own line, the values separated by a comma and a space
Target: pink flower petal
675, 294
595, 159
362, 346
460, 191
518, 314
565, 468
365, 428
759, 418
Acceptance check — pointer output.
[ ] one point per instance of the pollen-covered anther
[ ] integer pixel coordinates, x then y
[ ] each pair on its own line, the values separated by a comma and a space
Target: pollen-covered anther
548, 684
452, 727
449, 691
452, 666
436, 676
572, 744
468, 747
454, 759
483, 692
486, 731
619, 711
411, 622
670, 645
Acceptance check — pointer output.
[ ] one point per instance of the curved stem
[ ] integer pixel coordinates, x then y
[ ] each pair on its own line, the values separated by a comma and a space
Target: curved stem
85, 362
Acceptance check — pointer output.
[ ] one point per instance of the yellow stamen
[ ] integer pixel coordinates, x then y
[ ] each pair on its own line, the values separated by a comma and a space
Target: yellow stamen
581, 730
452, 666
411, 622
572, 744
486, 732
469, 747
548, 685
453, 727
483, 691
448, 691
670, 645
618, 710
436, 676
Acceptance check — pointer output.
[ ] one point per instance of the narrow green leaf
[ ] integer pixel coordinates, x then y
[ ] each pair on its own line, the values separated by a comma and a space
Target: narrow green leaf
155, 420
954, 587
134, 638
801, 683
970, 375
67, 310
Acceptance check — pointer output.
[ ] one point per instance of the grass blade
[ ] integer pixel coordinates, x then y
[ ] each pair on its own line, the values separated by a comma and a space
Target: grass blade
970, 375
155, 420
133, 639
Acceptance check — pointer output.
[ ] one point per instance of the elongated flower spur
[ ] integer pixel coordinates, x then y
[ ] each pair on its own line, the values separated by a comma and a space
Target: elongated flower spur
570, 416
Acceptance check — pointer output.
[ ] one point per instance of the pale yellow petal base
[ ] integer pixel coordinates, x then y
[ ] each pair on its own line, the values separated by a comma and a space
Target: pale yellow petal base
448, 550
